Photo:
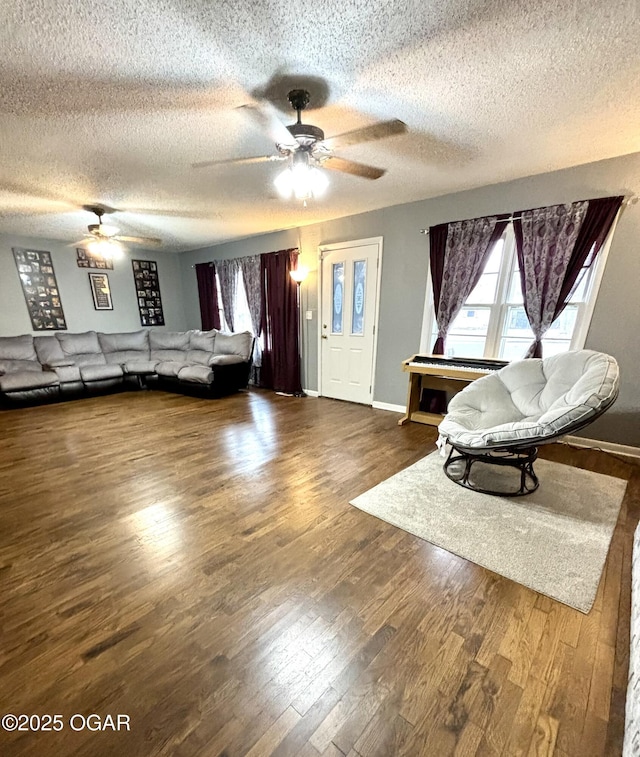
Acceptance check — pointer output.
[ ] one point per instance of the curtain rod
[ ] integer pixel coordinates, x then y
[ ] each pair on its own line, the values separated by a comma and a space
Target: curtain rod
243, 257
632, 200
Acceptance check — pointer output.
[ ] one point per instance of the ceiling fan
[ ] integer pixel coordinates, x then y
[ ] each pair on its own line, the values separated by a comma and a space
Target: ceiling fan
305, 148
104, 239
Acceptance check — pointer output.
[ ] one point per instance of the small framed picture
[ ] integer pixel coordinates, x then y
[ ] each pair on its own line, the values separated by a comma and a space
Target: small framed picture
100, 291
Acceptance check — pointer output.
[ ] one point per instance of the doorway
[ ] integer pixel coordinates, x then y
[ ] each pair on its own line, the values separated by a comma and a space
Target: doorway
349, 295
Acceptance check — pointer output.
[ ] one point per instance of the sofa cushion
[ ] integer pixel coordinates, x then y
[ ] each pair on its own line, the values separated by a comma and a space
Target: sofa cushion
226, 360
170, 355
198, 374
17, 348
123, 356
67, 373
199, 357
169, 340
24, 380
14, 366
140, 367
79, 344
202, 340
100, 372
170, 368
234, 344
48, 350
128, 341
83, 348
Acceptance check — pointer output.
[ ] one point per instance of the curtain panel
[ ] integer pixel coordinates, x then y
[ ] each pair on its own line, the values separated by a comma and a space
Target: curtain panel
208, 296
553, 245
280, 317
250, 267
228, 275
458, 252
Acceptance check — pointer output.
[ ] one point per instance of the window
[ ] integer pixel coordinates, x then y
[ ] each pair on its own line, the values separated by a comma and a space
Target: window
241, 314
493, 324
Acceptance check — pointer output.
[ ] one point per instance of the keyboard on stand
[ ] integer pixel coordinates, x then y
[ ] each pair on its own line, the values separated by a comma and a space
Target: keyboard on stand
445, 375
482, 365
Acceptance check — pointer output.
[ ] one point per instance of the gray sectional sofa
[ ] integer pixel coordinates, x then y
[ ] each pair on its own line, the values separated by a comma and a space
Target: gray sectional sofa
62, 365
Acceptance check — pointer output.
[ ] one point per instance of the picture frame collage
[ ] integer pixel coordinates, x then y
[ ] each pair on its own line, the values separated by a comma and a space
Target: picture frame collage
88, 259
145, 274
40, 289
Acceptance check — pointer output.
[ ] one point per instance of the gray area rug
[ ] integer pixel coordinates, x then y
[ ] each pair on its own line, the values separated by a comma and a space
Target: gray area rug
555, 541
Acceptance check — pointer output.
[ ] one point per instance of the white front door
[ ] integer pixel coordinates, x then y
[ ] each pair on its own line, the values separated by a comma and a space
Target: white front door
350, 283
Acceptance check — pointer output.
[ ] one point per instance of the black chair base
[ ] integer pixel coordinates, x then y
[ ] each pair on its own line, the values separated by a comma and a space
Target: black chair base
521, 459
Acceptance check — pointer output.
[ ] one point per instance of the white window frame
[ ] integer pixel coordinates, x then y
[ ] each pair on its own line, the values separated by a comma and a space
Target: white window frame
500, 307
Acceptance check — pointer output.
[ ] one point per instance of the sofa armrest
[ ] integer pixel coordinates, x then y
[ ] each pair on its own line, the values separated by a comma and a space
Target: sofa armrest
66, 363
215, 360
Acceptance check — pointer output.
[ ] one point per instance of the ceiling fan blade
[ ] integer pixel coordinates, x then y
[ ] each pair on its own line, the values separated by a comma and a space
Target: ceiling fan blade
148, 241
239, 161
81, 243
266, 116
371, 133
350, 166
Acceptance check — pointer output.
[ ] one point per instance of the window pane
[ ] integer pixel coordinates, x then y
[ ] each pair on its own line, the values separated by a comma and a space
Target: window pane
563, 326
515, 288
484, 291
464, 346
359, 283
513, 349
337, 296
517, 324
580, 292
516, 349
471, 321
493, 263
554, 346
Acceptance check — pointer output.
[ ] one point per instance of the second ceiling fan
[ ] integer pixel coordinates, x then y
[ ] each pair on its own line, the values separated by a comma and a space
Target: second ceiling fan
104, 239
305, 148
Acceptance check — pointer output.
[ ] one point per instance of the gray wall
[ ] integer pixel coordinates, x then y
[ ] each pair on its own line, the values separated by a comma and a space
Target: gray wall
616, 319
73, 284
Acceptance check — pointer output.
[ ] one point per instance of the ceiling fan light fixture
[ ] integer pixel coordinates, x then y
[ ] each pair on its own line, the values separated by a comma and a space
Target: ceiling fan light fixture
108, 249
301, 179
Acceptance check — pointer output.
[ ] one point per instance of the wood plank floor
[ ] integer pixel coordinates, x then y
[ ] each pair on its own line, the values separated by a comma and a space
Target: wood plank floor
195, 564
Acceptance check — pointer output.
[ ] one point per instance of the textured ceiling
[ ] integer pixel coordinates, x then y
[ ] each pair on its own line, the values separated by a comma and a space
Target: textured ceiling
112, 103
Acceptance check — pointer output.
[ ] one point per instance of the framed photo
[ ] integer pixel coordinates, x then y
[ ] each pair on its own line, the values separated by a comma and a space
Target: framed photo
147, 282
88, 259
40, 289
101, 291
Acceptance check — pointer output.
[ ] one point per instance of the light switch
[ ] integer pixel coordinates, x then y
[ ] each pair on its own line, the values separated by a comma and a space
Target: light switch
309, 315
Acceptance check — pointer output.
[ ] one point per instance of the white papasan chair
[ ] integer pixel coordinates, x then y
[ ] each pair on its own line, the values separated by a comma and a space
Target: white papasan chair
501, 419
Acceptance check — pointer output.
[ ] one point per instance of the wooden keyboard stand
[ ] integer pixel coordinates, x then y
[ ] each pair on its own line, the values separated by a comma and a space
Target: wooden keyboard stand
448, 379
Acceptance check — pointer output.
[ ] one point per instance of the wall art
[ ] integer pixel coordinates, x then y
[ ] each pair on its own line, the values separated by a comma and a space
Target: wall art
40, 289
100, 291
145, 275
88, 259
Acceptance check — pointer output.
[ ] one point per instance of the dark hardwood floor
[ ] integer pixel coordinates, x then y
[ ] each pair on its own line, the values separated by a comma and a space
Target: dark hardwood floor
195, 565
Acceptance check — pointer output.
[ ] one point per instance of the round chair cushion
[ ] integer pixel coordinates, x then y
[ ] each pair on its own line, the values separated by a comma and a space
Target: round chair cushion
533, 400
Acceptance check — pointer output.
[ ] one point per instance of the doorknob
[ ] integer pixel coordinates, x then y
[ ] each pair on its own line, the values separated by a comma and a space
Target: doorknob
324, 336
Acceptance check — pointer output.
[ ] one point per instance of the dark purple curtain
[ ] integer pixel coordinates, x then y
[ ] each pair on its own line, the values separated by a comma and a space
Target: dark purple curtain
208, 296
280, 317
595, 228
554, 244
458, 252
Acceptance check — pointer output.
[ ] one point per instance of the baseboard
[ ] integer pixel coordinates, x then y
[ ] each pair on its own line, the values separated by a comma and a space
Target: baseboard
311, 392
388, 406
618, 449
